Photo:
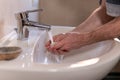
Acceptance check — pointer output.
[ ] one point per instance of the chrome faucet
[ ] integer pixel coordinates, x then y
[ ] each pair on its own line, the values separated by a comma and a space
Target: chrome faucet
23, 20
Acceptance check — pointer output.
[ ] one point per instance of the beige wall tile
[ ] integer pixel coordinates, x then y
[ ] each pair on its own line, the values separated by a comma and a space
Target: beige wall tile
66, 12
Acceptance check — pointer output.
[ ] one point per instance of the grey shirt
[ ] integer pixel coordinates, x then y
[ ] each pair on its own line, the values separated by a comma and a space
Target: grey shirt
113, 7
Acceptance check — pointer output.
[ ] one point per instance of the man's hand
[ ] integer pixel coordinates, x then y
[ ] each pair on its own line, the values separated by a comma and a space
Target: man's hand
69, 41
108, 29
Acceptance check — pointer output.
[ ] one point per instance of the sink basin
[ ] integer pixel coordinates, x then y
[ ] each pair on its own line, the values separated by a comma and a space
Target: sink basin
92, 62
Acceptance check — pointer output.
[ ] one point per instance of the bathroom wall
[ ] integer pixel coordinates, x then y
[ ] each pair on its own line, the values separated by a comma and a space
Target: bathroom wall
66, 12
7, 10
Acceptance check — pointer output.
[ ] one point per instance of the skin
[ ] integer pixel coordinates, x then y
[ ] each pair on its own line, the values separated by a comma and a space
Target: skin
97, 27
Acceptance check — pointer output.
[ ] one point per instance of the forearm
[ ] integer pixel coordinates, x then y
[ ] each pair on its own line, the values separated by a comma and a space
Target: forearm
96, 19
108, 31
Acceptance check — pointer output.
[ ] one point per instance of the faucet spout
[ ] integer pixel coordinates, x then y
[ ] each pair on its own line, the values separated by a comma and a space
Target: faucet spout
38, 25
23, 20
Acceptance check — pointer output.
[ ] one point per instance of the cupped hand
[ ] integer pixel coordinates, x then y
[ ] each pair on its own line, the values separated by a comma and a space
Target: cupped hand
69, 41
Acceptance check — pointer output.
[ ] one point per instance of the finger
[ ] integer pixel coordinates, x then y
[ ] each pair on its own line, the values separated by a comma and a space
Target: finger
58, 52
50, 49
66, 48
58, 45
48, 43
66, 51
55, 51
59, 37
61, 52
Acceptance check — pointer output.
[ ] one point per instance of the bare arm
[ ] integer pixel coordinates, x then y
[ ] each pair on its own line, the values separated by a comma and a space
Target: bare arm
96, 19
98, 27
107, 31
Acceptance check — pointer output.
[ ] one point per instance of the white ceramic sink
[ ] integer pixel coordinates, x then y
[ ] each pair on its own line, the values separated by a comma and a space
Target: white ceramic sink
91, 62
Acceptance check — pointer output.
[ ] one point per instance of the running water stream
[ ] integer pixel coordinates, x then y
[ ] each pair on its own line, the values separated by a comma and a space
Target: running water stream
41, 55
55, 57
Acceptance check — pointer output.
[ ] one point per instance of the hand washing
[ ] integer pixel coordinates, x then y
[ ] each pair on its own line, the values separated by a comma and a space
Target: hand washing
55, 57
41, 54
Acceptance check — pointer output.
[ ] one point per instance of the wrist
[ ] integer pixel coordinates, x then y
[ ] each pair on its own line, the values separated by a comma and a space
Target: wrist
94, 37
90, 37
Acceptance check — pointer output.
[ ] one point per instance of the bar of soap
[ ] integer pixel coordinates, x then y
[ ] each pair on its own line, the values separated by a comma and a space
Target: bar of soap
9, 53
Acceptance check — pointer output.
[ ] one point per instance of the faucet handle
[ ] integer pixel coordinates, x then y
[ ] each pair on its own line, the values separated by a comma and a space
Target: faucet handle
36, 10
24, 15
